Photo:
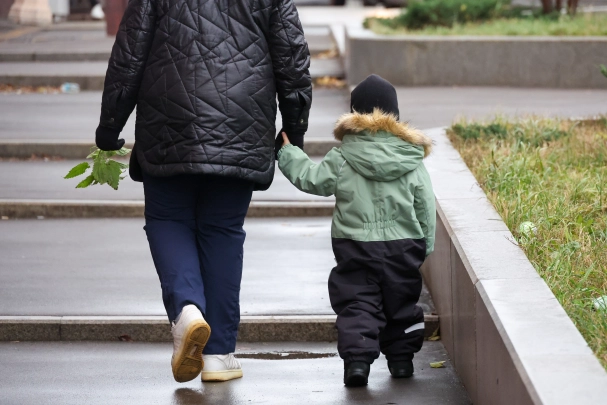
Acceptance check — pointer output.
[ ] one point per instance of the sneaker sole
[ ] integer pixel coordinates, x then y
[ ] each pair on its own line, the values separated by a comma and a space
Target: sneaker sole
224, 375
356, 380
188, 363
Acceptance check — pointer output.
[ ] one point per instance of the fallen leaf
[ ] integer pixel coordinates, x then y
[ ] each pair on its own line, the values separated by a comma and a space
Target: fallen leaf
438, 364
125, 338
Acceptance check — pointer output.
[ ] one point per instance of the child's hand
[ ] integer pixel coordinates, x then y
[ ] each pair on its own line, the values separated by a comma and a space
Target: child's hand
285, 139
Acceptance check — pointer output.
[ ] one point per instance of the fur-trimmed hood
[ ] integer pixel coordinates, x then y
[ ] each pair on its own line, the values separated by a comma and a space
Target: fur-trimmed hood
379, 147
354, 123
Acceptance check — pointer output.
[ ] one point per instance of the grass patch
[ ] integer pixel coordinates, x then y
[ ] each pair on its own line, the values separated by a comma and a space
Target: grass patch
552, 173
589, 24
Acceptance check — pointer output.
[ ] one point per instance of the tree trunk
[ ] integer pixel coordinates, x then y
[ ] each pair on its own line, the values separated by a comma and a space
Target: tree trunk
559, 5
547, 6
572, 6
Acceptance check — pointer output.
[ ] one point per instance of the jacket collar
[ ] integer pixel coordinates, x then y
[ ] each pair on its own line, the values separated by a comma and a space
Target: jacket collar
354, 123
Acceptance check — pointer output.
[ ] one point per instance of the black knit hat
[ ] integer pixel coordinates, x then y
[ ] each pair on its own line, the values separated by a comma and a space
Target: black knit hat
374, 92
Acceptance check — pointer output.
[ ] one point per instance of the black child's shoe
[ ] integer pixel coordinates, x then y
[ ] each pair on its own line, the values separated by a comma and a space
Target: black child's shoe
356, 373
401, 369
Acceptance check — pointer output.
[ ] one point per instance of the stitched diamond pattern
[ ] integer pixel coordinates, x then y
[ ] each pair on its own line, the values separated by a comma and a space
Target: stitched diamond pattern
204, 75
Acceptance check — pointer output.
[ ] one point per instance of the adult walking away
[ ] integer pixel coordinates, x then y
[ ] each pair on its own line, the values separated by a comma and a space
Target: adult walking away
204, 76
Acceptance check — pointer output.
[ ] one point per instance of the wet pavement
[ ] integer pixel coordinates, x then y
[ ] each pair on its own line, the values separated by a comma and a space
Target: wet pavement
136, 373
429, 107
104, 267
74, 117
40, 180
39, 117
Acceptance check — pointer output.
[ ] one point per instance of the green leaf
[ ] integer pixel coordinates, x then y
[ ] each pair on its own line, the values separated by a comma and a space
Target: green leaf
77, 170
123, 151
438, 364
94, 153
114, 172
99, 171
604, 70
86, 182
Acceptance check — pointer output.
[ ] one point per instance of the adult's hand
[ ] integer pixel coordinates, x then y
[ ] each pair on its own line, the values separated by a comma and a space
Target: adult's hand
107, 139
295, 139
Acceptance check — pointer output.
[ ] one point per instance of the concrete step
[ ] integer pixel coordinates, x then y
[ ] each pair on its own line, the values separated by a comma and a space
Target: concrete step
94, 278
139, 373
32, 189
45, 209
103, 267
74, 149
91, 75
264, 328
92, 44
39, 120
40, 180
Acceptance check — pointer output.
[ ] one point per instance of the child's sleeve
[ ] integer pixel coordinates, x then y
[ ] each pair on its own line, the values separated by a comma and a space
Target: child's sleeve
425, 207
313, 178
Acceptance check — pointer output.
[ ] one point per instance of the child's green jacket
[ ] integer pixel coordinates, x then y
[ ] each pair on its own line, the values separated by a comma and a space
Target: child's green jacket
382, 189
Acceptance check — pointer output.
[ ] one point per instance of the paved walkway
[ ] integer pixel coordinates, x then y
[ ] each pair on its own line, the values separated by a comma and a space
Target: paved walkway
39, 180
74, 117
36, 117
428, 107
79, 52
104, 267
88, 41
136, 373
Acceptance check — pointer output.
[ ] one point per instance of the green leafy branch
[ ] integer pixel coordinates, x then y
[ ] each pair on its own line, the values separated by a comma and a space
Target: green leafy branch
105, 170
604, 70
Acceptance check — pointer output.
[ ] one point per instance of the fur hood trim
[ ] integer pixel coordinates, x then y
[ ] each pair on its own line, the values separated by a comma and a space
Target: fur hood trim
355, 123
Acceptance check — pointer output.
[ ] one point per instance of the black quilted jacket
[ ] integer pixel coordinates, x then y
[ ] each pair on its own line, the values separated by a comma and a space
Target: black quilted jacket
204, 75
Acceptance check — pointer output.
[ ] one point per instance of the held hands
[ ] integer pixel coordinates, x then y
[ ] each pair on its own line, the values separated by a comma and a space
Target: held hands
282, 140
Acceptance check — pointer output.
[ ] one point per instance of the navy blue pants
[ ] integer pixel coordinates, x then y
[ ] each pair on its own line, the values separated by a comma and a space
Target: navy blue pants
194, 227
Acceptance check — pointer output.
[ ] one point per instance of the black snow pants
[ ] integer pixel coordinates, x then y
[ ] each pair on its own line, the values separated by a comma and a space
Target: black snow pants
374, 291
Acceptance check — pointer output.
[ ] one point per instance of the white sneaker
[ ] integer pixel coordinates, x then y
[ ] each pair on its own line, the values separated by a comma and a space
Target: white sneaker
221, 367
190, 335
97, 12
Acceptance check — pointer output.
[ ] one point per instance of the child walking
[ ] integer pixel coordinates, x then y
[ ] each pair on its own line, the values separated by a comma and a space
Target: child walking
383, 228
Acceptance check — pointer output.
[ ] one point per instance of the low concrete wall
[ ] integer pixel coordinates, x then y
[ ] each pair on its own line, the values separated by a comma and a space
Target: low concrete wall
555, 62
508, 337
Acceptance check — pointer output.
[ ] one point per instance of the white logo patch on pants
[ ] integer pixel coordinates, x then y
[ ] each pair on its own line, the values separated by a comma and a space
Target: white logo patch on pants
415, 327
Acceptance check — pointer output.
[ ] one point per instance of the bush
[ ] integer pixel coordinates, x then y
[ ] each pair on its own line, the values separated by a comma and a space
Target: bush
421, 13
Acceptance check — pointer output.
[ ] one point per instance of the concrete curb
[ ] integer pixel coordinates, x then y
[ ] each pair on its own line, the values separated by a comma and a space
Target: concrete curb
19, 149
415, 60
23, 209
55, 56
507, 336
279, 328
90, 75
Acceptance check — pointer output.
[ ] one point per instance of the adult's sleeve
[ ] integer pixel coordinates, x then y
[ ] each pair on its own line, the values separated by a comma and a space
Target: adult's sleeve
291, 63
127, 63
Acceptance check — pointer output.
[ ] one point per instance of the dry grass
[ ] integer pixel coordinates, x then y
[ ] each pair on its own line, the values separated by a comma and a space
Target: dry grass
591, 24
554, 174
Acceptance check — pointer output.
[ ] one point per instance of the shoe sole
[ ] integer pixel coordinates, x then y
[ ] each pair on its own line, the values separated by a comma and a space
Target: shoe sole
188, 363
402, 376
356, 380
224, 375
